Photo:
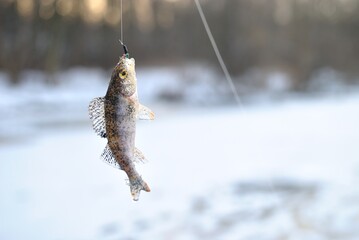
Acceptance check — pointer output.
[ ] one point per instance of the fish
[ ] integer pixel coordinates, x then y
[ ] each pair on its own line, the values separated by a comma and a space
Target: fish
114, 117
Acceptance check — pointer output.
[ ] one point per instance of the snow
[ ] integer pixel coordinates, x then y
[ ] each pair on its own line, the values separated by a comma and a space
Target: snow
274, 171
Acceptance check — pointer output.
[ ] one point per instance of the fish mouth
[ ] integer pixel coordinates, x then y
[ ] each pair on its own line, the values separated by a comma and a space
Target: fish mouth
129, 63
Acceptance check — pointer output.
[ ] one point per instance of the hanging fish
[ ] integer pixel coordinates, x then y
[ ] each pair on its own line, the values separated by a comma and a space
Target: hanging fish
114, 117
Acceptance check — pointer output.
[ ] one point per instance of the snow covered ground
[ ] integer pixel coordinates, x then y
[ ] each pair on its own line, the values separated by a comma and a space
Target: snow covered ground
266, 172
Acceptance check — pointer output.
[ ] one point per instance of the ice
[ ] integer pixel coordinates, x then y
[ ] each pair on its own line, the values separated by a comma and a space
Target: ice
274, 171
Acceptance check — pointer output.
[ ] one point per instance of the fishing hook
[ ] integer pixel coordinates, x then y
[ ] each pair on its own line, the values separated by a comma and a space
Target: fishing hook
125, 49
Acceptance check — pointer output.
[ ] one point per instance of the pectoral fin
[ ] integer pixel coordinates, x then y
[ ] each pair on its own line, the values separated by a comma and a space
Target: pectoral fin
144, 113
97, 115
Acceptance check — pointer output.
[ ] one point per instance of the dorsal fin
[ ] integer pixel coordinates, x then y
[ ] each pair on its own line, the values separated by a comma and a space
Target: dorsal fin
97, 115
108, 157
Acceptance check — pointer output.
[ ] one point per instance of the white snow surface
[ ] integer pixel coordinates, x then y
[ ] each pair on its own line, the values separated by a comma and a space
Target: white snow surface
274, 171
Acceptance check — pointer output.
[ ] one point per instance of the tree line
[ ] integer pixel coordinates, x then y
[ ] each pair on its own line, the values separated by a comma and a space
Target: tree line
295, 36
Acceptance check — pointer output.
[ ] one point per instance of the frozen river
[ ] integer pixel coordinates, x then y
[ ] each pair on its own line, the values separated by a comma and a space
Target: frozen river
283, 171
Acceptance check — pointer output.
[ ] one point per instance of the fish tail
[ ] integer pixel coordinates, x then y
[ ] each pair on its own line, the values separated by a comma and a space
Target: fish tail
136, 185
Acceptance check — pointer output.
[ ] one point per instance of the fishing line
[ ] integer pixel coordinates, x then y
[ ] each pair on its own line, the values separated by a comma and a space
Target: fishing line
229, 78
121, 19
125, 50
218, 54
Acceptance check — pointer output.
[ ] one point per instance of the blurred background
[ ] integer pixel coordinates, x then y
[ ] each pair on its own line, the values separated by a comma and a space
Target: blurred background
283, 165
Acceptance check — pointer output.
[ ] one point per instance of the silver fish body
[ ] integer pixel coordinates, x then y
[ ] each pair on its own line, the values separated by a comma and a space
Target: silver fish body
114, 117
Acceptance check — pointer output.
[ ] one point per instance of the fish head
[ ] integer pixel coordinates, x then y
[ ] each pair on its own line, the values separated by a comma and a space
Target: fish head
124, 76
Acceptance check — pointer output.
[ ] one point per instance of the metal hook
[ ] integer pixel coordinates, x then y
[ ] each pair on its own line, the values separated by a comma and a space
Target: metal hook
125, 49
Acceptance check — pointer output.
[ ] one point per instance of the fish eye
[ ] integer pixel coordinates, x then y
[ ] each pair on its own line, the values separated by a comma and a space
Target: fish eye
123, 74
